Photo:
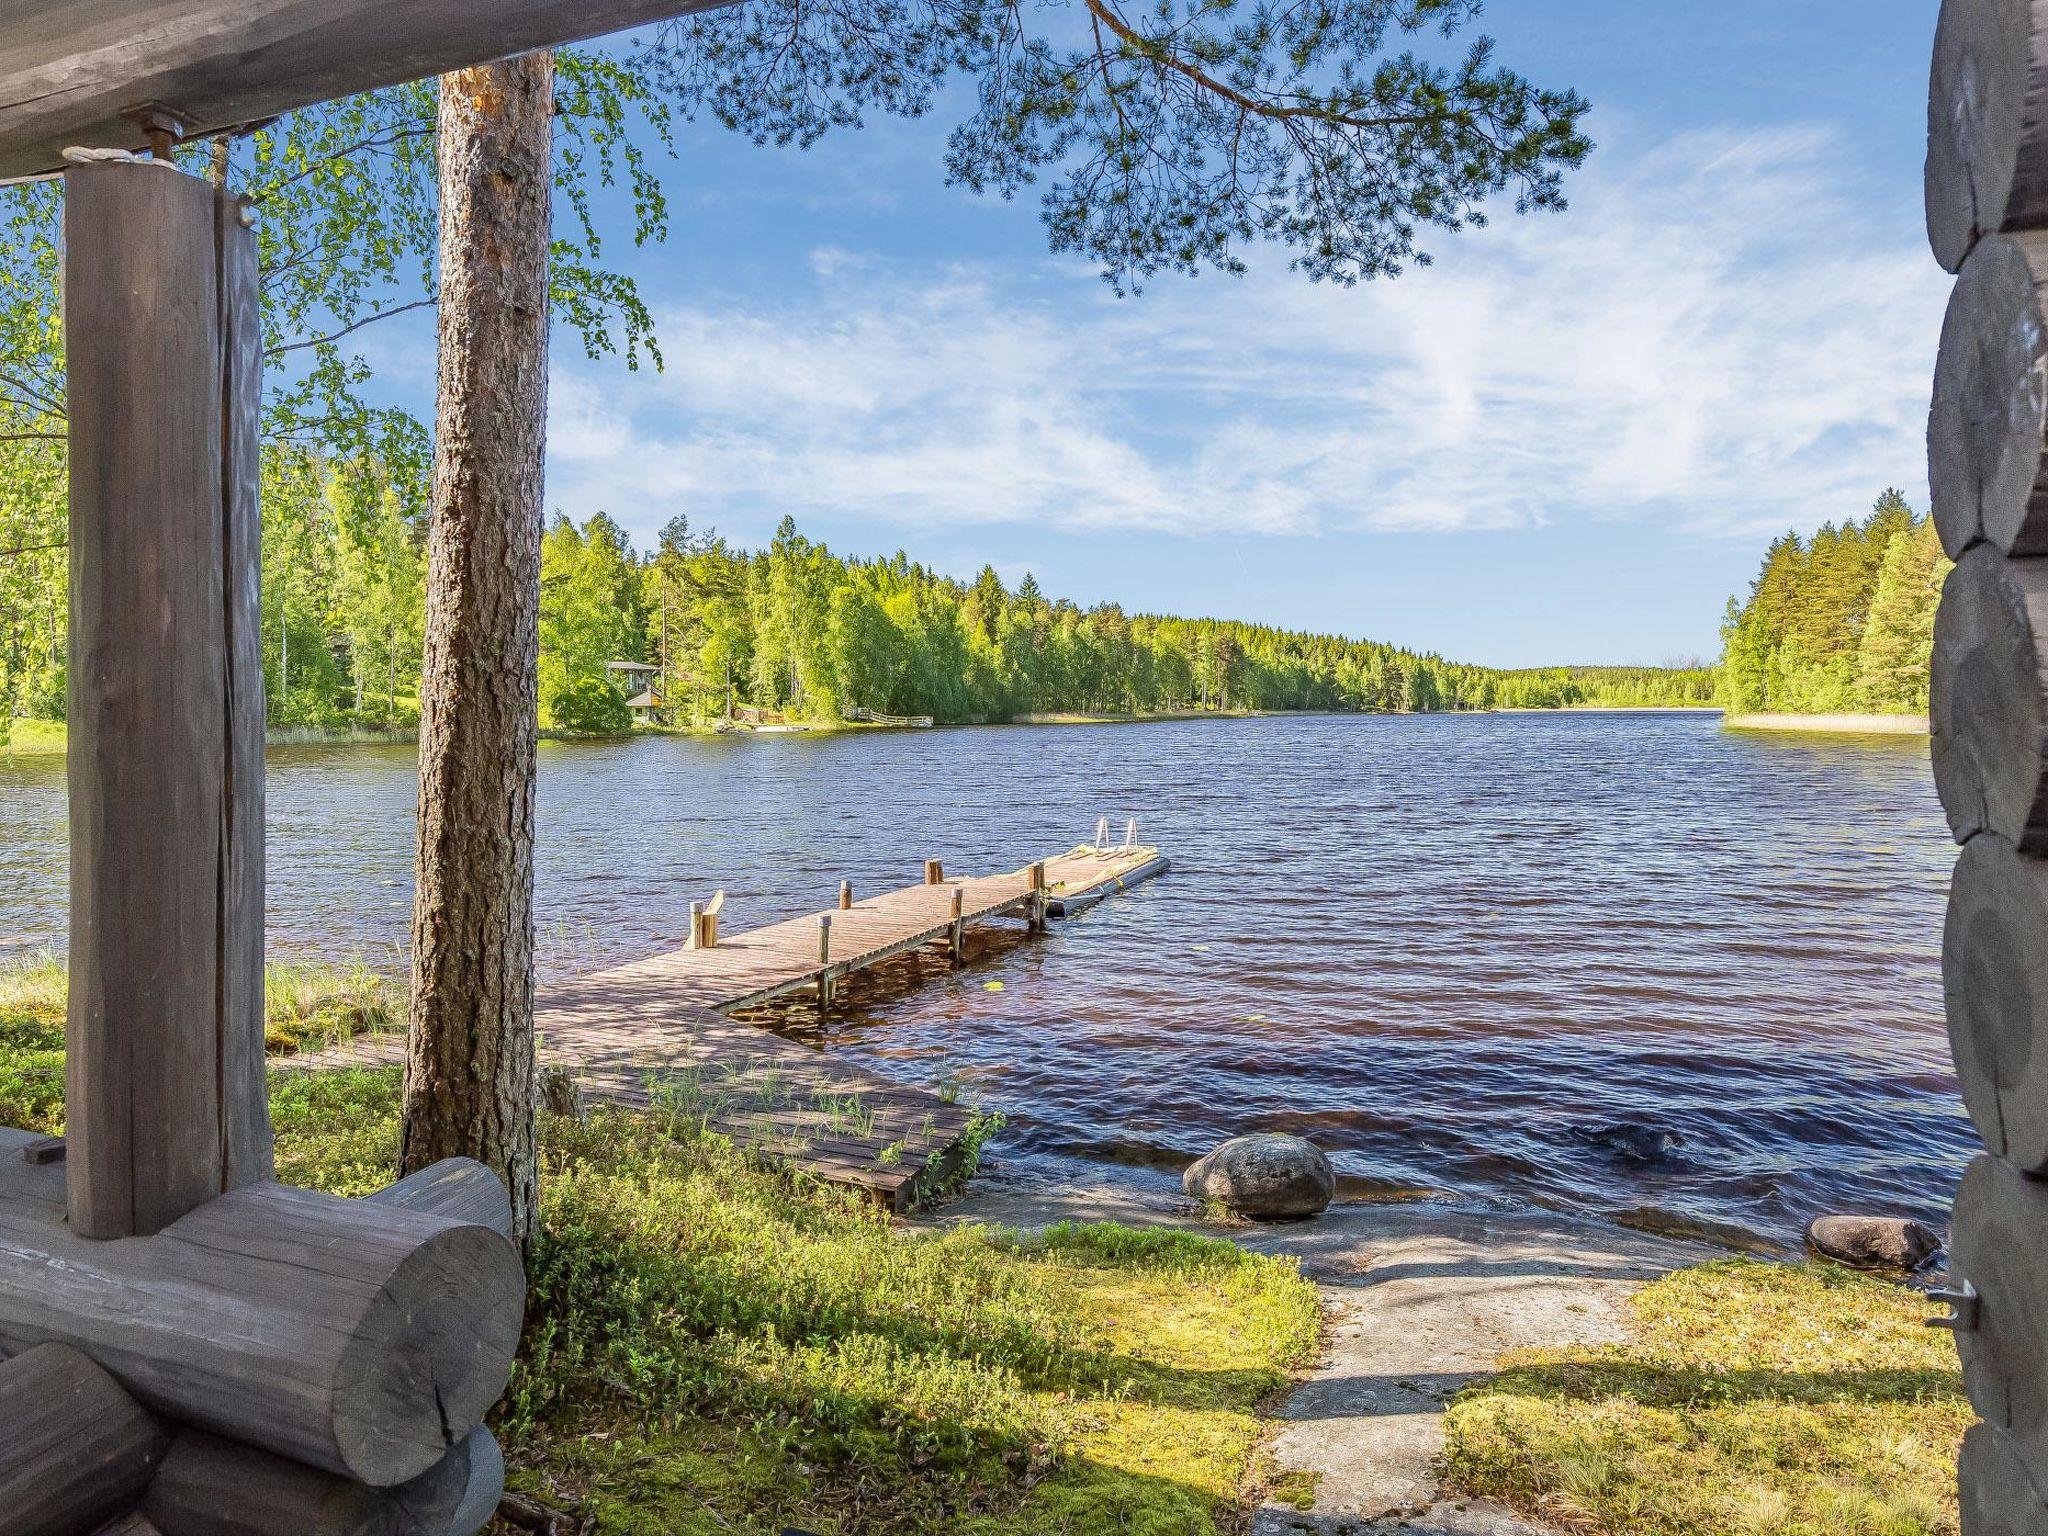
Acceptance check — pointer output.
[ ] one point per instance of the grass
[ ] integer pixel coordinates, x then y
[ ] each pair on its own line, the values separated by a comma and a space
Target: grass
304, 1005
31, 737
715, 1348
1752, 1399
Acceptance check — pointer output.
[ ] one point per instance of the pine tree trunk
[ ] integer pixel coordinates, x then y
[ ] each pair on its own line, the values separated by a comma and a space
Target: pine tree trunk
469, 1082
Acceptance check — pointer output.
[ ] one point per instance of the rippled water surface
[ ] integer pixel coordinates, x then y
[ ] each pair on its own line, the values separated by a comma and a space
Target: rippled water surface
1438, 945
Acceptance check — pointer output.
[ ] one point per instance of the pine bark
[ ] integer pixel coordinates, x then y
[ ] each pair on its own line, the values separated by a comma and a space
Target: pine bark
469, 1084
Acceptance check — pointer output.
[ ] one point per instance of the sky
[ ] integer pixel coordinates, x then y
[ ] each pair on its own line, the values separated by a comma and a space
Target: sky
1567, 440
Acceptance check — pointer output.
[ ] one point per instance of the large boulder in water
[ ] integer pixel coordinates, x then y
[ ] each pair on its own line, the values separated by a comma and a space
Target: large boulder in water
1266, 1177
1873, 1242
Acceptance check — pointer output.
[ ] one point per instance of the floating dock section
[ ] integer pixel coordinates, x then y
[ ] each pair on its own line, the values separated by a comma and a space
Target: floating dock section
654, 1033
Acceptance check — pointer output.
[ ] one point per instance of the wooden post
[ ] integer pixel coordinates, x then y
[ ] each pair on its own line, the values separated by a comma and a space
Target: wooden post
934, 872
697, 925
77, 1448
825, 959
846, 895
164, 1076
957, 945
1036, 918
711, 910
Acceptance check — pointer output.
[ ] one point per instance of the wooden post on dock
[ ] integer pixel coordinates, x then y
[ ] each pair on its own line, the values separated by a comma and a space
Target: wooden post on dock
957, 943
1036, 917
697, 925
825, 959
166, 1101
934, 872
1987, 218
846, 895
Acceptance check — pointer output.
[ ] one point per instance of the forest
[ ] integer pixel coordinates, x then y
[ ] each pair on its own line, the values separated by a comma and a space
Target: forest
794, 627
1841, 623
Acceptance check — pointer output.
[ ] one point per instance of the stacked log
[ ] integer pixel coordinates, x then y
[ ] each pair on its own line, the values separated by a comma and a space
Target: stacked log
277, 1362
1987, 439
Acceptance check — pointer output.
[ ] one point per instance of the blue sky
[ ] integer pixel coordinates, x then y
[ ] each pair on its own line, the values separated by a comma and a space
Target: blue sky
1568, 440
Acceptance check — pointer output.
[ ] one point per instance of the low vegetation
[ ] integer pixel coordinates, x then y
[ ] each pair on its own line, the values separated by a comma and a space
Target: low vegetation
715, 1348
1752, 1399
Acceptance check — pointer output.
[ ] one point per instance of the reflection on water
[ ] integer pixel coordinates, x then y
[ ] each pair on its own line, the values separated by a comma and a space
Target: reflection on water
1435, 944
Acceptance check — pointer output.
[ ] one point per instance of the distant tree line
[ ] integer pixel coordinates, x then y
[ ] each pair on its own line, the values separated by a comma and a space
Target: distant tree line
794, 627
1842, 623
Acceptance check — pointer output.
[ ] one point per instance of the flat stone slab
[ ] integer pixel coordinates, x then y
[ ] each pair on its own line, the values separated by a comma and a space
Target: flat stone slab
1421, 1298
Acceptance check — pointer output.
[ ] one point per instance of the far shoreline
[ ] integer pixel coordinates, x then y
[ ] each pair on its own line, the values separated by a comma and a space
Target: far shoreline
1849, 725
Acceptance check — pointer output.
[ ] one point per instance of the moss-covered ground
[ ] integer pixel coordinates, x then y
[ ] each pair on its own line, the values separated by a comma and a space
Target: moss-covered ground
1752, 1399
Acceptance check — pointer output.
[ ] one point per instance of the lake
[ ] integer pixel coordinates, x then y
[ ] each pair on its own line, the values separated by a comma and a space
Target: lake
1442, 946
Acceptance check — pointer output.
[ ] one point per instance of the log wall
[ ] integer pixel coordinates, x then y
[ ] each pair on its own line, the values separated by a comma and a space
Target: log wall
1987, 219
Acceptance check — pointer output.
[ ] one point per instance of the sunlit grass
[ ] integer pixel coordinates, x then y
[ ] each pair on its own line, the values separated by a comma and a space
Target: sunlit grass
305, 1005
712, 1347
1752, 1399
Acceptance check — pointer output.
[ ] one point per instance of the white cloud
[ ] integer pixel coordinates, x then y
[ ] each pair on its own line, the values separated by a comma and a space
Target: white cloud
1716, 335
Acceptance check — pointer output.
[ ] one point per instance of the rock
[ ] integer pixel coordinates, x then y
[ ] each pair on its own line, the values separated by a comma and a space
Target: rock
1266, 1177
1640, 1143
1873, 1242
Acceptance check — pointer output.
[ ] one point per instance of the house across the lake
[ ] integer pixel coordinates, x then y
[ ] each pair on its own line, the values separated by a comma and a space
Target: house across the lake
635, 679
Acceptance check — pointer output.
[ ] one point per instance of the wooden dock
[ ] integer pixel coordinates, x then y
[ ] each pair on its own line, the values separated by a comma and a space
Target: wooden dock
654, 1032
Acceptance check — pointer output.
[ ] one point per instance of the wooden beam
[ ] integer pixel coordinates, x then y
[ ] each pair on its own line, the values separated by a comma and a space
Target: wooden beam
164, 1075
1989, 418
1995, 1246
72, 71
1987, 123
1988, 698
1994, 967
459, 1188
75, 1450
215, 1487
1998, 1498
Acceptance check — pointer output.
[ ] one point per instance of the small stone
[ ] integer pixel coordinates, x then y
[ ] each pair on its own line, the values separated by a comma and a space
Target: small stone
1267, 1177
1625, 1138
1873, 1242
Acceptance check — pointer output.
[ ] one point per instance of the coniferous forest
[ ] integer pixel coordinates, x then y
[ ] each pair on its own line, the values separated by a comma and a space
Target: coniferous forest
793, 628
1841, 623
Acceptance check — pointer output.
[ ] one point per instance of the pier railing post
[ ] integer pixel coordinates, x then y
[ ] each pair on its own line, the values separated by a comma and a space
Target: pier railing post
825, 959
934, 872
846, 895
696, 925
959, 935
167, 1105
1037, 909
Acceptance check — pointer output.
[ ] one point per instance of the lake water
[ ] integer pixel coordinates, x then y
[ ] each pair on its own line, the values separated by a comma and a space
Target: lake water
1438, 945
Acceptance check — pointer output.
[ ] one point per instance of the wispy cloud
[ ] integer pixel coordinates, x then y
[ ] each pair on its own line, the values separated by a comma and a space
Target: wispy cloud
1717, 336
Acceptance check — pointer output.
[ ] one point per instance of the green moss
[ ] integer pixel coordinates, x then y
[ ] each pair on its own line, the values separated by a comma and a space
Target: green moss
1753, 1398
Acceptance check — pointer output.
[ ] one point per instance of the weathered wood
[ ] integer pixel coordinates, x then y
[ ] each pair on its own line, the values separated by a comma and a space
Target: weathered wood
934, 872
1989, 698
469, 1078
824, 959
1999, 1233
245, 1108
956, 938
459, 1188
71, 71
362, 1338
1994, 966
215, 1487
1987, 124
75, 1449
1998, 1498
44, 1149
846, 895
696, 925
164, 1072
1988, 425
131, 1524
